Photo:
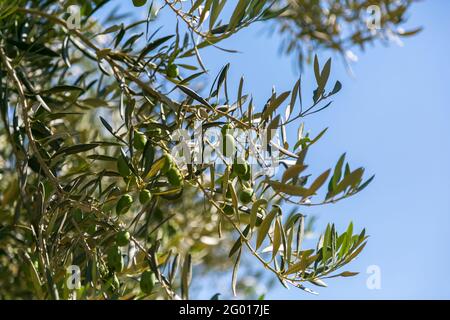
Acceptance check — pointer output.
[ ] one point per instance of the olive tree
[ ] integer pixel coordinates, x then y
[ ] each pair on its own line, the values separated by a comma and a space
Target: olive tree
118, 179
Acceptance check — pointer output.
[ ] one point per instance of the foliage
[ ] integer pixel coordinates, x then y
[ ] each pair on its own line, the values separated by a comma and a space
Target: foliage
88, 176
339, 26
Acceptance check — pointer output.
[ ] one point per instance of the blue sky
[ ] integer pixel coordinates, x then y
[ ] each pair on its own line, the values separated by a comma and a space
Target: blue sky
392, 118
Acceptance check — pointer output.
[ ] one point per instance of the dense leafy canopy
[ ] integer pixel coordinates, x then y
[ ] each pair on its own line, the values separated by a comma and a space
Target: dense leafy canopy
90, 175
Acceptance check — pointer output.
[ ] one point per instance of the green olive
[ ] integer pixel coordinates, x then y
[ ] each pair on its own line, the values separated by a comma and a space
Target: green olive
139, 3
245, 195
92, 228
174, 176
248, 175
115, 261
228, 209
147, 282
240, 168
228, 193
122, 238
124, 204
168, 163
172, 71
145, 196
139, 140
122, 167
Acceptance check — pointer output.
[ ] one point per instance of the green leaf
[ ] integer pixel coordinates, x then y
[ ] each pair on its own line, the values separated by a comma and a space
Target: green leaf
186, 276
295, 91
35, 48
305, 260
293, 172
216, 9
235, 271
76, 149
205, 10
254, 211
276, 238
366, 183
320, 180
350, 180
337, 88
194, 95
316, 69
153, 45
265, 226
288, 189
238, 14
61, 88
101, 157
325, 74
238, 243
274, 104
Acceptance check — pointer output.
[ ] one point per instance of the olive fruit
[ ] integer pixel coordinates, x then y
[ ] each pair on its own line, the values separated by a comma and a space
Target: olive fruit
124, 204
245, 195
122, 167
174, 176
115, 261
168, 163
145, 196
240, 168
147, 282
228, 193
91, 228
139, 3
172, 71
228, 209
122, 238
139, 140
228, 145
247, 176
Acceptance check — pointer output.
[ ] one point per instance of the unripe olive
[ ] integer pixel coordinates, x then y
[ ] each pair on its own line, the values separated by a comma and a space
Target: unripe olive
168, 163
147, 282
124, 204
172, 71
228, 193
228, 145
145, 196
228, 209
240, 167
115, 261
122, 238
139, 140
139, 3
245, 195
92, 228
122, 167
248, 175
174, 176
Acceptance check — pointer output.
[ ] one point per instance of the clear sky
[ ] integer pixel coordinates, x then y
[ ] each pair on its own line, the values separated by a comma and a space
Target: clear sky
393, 119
